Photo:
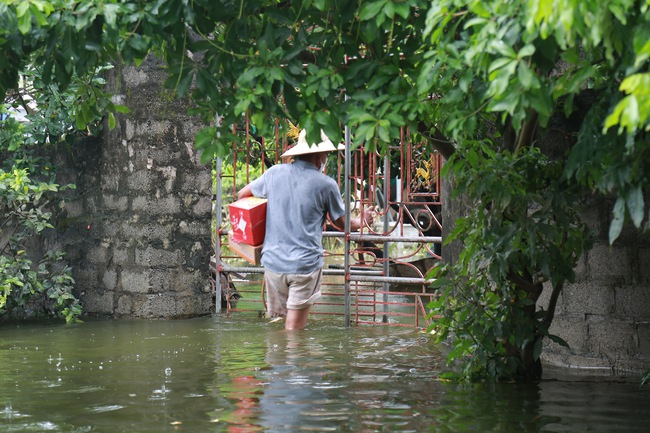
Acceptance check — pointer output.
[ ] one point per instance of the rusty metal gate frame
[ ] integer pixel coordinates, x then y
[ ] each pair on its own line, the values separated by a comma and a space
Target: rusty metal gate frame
369, 273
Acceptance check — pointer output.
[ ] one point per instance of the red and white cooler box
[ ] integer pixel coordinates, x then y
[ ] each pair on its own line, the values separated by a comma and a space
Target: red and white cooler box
248, 220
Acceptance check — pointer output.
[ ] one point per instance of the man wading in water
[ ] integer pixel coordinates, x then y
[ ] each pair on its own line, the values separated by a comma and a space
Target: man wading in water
300, 198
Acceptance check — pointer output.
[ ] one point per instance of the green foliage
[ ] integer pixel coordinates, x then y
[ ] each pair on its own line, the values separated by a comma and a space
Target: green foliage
235, 177
316, 64
65, 44
28, 288
524, 62
460, 68
40, 284
512, 71
521, 232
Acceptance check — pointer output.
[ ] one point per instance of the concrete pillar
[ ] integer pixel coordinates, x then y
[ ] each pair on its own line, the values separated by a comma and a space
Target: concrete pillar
144, 209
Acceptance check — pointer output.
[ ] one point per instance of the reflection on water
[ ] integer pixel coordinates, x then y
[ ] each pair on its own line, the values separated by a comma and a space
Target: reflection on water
243, 374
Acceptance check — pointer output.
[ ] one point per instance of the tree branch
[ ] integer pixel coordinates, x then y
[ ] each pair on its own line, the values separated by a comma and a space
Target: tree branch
509, 139
532, 289
527, 131
439, 142
552, 303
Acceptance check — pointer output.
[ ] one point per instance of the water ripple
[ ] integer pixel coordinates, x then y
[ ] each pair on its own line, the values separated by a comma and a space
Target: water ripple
242, 374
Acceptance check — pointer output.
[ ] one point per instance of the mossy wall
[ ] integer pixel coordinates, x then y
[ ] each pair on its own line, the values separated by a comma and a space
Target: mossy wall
137, 229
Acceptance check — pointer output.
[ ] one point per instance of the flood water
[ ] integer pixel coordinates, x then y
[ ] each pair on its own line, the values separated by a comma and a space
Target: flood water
244, 374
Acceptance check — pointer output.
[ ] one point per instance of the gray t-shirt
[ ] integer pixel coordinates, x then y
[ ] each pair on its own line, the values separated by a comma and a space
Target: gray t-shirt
299, 198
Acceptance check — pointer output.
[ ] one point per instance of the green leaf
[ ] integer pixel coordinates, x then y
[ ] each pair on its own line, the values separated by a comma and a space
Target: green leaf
184, 82
502, 48
40, 17
558, 340
526, 77
636, 205
403, 9
389, 10
25, 23
22, 8
110, 14
527, 51
440, 282
138, 43
618, 219
370, 10
508, 103
80, 123
500, 62
249, 77
205, 137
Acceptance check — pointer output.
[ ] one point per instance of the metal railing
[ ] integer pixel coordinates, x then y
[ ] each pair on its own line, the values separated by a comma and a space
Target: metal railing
369, 272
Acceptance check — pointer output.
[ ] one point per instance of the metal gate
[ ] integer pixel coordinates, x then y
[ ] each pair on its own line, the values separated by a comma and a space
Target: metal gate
374, 276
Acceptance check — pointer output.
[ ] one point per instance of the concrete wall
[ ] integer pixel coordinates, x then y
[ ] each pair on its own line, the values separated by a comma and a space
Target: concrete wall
605, 314
137, 230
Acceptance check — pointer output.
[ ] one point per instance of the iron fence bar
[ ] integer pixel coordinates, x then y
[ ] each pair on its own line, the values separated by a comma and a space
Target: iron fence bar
242, 270
397, 280
359, 276
217, 244
386, 244
260, 270
342, 272
366, 292
383, 238
346, 228
380, 238
422, 309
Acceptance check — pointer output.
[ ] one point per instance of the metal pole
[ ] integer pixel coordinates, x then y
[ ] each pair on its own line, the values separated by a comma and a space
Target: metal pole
346, 243
386, 244
217, 219
260, 270
217, 244
396, 280
380, 238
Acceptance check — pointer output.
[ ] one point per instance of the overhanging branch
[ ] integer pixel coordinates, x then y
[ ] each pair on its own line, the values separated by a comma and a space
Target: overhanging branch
532, 289
442, 144
552, 303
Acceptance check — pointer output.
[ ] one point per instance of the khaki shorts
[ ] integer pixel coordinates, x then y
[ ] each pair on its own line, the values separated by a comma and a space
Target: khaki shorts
291, 291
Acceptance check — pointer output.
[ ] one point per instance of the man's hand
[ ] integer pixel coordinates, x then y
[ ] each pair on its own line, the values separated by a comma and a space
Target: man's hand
245, 192
368, 216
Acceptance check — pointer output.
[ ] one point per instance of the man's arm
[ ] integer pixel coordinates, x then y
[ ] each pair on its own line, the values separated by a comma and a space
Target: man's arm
356, 223
245, 192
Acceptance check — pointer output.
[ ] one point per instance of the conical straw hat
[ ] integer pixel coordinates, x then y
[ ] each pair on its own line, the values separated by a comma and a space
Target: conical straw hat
303, 148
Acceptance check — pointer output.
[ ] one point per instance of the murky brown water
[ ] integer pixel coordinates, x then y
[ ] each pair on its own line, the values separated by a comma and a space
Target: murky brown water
243, 374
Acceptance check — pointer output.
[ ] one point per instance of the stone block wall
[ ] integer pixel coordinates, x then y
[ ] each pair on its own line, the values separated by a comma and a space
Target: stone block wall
604, 315
139, 223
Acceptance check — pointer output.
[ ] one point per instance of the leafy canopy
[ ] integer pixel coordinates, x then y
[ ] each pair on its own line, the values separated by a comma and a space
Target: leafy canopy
456, 66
